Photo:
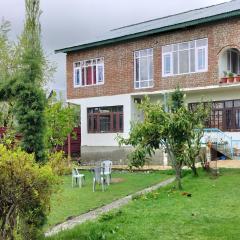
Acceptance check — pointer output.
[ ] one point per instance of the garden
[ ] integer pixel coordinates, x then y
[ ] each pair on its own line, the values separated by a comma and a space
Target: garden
211, 212
36, 191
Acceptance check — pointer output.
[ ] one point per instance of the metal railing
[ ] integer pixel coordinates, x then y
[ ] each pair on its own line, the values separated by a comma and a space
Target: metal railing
220, 140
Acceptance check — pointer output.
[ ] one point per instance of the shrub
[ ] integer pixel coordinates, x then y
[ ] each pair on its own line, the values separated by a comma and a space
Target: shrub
25, 192
59, 163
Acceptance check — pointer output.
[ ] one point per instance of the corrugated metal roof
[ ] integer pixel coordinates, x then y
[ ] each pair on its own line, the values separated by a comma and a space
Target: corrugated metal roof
173, 22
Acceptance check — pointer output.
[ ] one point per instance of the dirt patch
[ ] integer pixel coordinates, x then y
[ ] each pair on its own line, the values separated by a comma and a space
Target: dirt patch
117, 180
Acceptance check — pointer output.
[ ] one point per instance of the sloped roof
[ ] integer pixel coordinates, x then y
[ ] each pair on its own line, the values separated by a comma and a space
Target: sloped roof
164, 24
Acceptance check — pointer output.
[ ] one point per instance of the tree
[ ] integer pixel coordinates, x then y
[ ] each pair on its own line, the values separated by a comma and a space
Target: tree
60, 121
195, 132
25, 85
171, 130
26, 189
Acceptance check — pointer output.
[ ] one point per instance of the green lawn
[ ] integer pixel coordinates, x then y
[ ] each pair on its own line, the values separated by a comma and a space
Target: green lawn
213, 212
74, 201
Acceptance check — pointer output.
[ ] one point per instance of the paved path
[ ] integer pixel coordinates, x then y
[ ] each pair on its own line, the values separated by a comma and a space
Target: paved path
99, 211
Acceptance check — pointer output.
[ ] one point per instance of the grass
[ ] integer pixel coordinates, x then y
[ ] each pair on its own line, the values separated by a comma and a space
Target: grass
213, 212
75, 201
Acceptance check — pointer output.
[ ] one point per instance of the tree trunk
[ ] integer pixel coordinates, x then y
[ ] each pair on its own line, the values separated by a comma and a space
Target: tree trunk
178, 169
194, 170
177, 166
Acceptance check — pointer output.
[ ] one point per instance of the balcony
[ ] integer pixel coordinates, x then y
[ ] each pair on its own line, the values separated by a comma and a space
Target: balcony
229, 66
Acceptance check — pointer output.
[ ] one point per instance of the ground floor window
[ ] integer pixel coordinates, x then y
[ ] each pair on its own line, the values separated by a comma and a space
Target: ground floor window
224, 115
105, 119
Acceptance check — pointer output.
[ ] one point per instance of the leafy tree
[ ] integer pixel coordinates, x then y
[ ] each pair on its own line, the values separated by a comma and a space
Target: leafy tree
172, 130
25, 85
61, 119
26, 189
193, 146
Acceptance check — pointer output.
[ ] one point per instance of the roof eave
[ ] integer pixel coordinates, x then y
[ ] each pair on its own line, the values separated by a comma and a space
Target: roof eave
150, 32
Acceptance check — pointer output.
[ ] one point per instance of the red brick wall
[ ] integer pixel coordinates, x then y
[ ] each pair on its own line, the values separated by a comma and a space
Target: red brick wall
119, 60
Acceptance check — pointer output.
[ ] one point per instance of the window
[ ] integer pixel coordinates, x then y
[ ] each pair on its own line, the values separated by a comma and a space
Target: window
89, 72
233, 61
183, 58
143, 64
105, 119
224, 115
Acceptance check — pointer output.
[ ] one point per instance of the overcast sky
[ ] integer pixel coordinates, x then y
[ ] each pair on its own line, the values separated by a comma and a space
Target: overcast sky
68, 22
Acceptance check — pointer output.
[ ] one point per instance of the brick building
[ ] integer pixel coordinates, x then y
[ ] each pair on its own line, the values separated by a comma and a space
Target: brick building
198, 50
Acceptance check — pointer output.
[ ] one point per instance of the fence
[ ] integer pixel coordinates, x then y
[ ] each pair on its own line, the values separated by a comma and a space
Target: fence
73, 144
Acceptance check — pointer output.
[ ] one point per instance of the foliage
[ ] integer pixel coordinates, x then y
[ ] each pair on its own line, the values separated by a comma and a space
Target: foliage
196, 120
26, 190
23, 71
173, 130
61, 120
9, 139
59, 163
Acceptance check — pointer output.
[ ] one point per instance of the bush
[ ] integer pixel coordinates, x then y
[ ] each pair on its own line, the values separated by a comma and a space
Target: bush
59, 163
26, 189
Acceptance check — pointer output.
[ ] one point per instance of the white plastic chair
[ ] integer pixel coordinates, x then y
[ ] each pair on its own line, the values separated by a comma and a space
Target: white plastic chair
99, 178
80, 178
106, 165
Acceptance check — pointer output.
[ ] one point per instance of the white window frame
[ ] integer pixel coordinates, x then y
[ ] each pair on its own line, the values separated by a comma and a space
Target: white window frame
82, 66
196, 49
149, 80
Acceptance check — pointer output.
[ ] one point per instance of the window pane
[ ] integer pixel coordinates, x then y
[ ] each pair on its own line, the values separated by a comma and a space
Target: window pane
175, 63
114, 122
89, 75
137, 84
237, 103
77, 76
90, 123
237, 115
137, 62
175, 47
100, 74
143, 69
192, 60
184, 61
183, 46
201, 59
234, 62
94, 75
201, 42
95, 123
150, 66
229, 104
167, 48
167, 64
229, 122
137, 54
143, 53
121, 122
104, 123
83, 76
192, 44
144, 84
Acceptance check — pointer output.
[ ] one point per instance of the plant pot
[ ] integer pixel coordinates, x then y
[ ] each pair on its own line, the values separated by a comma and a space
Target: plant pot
230, 79
223, 80
237, 79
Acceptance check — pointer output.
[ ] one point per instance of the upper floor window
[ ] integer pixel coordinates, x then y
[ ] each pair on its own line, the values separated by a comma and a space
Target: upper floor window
143, 65
89, 72
186, 57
